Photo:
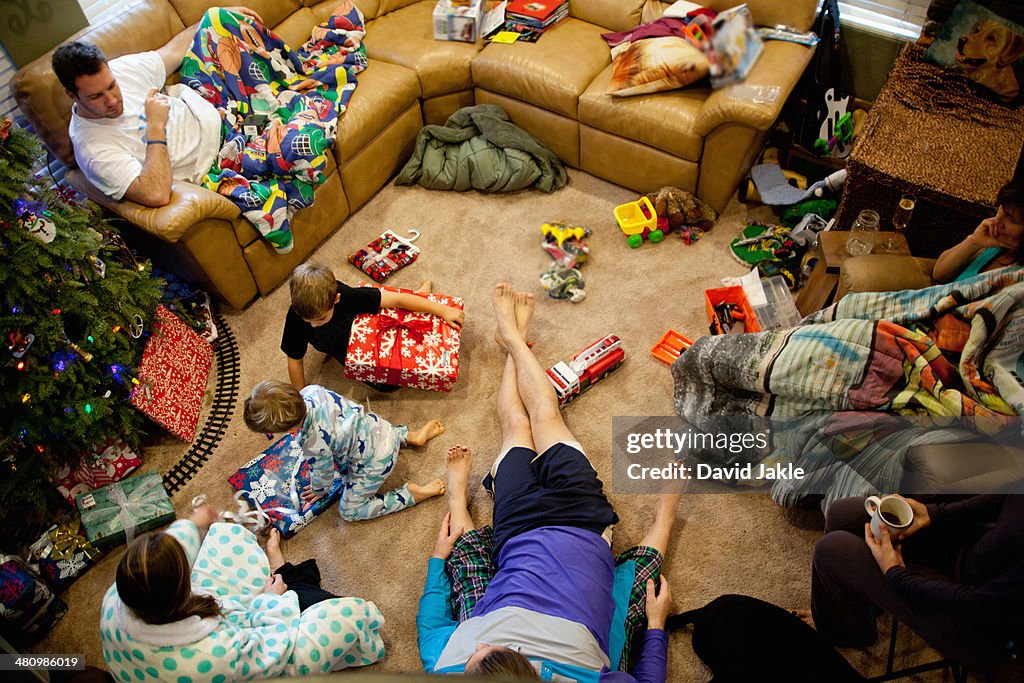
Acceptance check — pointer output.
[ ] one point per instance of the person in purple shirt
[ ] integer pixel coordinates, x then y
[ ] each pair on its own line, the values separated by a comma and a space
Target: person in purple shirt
541, 595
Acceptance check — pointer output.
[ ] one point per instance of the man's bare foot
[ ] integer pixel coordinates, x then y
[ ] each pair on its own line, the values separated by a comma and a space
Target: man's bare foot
665, 512
460, 460
525, 303
420, 492
503, 300
427, 287
274, 555
430, 430
805, 616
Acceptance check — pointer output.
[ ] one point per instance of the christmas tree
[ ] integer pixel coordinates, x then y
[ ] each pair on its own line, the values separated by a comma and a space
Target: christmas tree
73, 305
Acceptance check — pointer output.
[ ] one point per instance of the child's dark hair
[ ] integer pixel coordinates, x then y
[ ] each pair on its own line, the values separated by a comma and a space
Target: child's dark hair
154, 580
72, 60
504, 663
274, 406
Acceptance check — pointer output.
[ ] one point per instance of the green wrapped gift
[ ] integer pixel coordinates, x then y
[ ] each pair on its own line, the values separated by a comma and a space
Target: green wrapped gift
115, 514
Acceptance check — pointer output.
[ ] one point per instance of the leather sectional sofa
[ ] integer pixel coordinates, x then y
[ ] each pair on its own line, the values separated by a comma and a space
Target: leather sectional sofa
696, 139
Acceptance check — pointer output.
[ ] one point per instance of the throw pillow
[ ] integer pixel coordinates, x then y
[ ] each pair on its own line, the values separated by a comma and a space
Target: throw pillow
987, 48
656, 64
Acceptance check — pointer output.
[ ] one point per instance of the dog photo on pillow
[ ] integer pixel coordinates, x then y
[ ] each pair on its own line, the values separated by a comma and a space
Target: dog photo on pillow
987, 48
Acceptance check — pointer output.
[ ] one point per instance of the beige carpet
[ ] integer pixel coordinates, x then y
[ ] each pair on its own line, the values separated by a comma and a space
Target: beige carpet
734, 543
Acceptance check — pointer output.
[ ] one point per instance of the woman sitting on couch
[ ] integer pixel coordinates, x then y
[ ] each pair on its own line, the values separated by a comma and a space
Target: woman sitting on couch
995, 243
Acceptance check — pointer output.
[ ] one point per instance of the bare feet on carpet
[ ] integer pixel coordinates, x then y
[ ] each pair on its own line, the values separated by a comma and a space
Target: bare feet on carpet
274, 555
460, 462
420, 492
503, 300
430, 430
525, 303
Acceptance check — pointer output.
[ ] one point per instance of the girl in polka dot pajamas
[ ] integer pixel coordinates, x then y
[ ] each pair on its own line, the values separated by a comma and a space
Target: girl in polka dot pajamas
188, 610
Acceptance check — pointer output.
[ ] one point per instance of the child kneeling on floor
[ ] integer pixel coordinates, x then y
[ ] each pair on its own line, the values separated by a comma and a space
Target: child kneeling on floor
338, 435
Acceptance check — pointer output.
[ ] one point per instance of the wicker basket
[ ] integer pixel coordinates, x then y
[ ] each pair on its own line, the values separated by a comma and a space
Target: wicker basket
931, 135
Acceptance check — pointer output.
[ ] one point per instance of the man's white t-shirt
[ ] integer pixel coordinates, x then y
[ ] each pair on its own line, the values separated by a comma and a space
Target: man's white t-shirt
111, 151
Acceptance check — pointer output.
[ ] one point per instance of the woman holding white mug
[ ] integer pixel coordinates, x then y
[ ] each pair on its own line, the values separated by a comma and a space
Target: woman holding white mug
969, 602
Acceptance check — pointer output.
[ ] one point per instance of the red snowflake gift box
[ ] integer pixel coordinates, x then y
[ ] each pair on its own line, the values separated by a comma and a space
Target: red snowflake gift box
172, 375
403, 348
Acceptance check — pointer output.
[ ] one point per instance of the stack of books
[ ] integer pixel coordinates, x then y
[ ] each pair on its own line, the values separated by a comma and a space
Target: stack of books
534, 16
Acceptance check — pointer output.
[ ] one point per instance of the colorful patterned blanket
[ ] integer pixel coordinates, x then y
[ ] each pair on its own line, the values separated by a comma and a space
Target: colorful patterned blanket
921, 357
248, 72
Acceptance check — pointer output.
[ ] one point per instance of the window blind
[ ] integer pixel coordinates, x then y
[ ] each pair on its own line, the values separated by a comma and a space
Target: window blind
900, 18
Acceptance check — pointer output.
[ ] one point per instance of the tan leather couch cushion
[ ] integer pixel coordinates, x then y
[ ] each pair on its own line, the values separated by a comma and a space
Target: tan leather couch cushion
147, 25
796, 13
385, 6
273, 12
551, 73
615, 15
406, 37
384, 91
664, 120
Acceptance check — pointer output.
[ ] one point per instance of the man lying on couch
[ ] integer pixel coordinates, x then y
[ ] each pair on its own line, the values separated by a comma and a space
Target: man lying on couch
255, 124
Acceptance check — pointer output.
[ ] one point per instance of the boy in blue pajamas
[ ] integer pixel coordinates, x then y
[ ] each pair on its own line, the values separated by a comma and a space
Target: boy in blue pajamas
339, 435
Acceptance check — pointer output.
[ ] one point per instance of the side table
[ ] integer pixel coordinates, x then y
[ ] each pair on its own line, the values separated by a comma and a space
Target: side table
821, 285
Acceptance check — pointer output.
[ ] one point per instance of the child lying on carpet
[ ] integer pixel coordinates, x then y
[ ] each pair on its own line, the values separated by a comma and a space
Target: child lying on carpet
340, 436
324, 308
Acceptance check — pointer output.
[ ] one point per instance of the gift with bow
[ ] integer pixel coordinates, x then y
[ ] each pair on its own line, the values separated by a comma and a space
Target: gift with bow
63, 553
115, 514
28, 607
405, 348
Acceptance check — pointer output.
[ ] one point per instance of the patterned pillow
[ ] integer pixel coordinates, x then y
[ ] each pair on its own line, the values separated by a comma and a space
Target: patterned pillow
267, 482
987, 48
656, 64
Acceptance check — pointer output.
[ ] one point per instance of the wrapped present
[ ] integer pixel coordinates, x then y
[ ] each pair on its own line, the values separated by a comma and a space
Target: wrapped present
172, 375
273, 482
109, 462
63, 553
26, 603
381, 258
114, 514
403, 348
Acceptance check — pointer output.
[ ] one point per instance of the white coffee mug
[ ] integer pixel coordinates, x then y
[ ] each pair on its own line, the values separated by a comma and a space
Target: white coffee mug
893, 511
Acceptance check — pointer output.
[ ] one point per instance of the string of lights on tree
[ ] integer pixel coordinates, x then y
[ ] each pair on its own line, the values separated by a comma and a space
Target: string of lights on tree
75, 309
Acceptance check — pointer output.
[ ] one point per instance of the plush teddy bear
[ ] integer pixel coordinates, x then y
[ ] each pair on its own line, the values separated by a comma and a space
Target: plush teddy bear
686, 213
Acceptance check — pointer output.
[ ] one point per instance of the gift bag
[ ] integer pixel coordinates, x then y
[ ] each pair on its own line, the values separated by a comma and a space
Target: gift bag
110, 461
405, 348
273, 483
381, 258
115, 513
27, 604
63, 553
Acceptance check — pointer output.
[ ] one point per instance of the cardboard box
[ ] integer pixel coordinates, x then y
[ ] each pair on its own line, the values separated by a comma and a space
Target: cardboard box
461, 22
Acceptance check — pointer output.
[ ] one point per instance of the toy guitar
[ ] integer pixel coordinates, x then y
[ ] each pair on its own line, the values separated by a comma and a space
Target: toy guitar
830, 128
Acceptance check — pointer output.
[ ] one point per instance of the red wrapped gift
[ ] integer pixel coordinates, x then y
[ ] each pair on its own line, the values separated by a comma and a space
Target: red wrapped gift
403, 348
110, 461
175, 366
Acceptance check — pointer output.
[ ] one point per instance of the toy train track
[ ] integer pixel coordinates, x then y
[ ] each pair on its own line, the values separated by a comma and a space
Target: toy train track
216, 424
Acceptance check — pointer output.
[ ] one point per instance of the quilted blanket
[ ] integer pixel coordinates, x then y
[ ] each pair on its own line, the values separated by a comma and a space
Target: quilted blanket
248, 72
920, 357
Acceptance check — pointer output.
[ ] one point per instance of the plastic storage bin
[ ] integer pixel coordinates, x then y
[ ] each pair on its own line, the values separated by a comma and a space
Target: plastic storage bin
780, 311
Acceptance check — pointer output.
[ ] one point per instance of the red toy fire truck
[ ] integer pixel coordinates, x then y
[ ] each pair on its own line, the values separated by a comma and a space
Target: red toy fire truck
586, 368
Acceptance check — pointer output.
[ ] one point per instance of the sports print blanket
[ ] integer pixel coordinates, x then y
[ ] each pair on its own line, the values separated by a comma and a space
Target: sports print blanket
288, 100
917, 356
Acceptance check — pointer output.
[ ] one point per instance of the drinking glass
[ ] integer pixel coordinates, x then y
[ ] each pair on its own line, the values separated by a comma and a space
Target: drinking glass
900, 219
861, 239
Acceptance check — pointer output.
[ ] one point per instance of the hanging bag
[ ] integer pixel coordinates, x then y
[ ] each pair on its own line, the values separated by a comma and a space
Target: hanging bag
381, 258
